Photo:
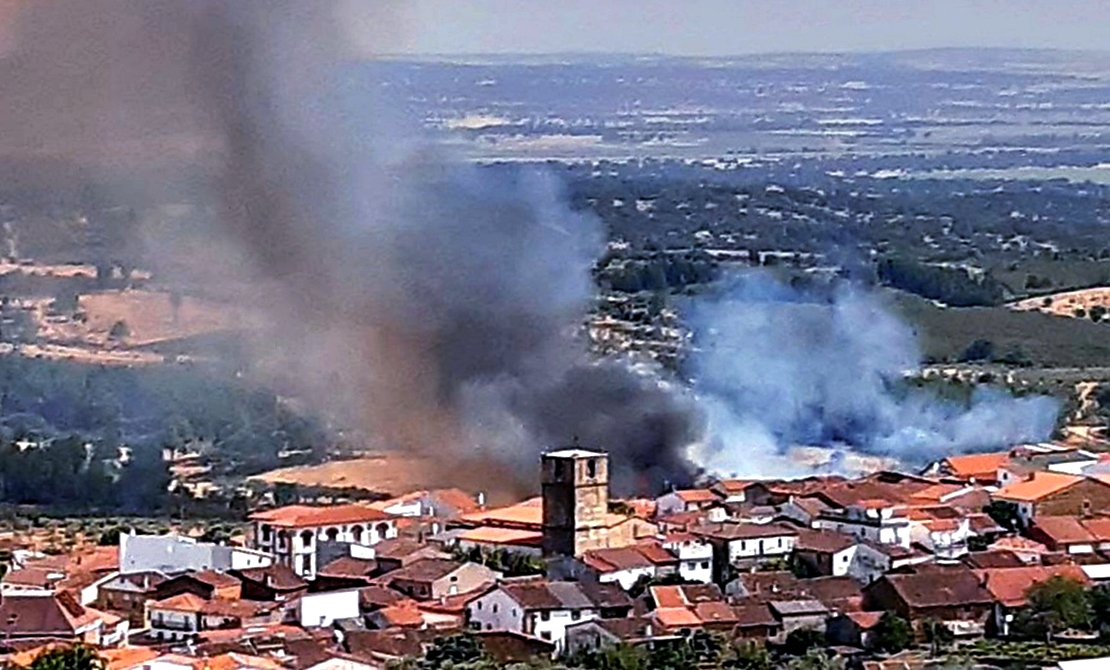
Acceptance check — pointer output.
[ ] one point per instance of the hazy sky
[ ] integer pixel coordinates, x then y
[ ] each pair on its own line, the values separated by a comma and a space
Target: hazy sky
722, 27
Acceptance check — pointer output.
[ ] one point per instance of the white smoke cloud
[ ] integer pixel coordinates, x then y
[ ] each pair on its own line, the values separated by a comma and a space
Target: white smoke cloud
776, 367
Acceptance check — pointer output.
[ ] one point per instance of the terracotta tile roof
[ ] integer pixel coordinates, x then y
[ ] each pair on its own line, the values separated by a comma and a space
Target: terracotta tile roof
510, 647
979, 466
613, 560
527, 514
457, 603
982, 524
427, 570
402, 614
398, 548
43, 578
182, 602
734, 485
995, 558
935, 493
715, 612
127, 657
278, 577
305, 516
955, 587
697, 495
823, 541
667, 596
676, 617
1099, 527
349, 566
653, 551
541, 594
1040, 485
684, 595
376, 595
1009, 585
241, 609
1019, 545
215, 579
684, 520
59, 615
1062, 530
496, 535
751, 613
744, 531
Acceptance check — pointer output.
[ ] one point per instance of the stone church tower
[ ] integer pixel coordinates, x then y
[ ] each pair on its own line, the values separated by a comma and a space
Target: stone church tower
575, 501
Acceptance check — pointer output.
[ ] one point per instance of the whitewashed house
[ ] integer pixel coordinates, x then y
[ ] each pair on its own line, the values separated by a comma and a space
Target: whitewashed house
544, 609
292, 534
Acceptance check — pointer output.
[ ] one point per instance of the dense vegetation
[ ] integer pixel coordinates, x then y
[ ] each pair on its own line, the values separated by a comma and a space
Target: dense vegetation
90, 436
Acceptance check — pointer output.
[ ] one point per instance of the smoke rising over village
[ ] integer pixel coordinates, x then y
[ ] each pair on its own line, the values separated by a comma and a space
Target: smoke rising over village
439, 307
779, 367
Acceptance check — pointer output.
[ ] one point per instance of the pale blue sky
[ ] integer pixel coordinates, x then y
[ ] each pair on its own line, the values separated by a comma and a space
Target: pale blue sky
723, 27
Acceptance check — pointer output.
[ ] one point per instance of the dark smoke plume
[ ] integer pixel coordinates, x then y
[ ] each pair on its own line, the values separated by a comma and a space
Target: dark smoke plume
437, 307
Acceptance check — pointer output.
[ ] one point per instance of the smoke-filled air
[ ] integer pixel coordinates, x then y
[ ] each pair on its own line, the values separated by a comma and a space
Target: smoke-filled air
777, 367
439, 308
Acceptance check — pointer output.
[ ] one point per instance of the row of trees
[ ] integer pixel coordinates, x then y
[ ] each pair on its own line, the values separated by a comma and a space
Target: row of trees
62, 426
951, 285
700, 649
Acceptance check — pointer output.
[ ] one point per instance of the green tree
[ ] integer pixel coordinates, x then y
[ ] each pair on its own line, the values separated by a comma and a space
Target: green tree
1004, 513
801, 640
451, 651
745, 655
816, 659
1054, 605
613, 657
77, 657
893, 633
119, 330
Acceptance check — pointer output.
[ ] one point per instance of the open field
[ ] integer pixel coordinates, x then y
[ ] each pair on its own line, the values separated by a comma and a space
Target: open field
1067, 303
393, 473
1044, 340
152, 317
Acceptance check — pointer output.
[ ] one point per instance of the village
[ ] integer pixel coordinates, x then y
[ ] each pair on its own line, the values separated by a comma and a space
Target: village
975, 557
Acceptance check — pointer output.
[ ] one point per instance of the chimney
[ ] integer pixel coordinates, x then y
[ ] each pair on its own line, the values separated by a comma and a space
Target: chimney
482, 499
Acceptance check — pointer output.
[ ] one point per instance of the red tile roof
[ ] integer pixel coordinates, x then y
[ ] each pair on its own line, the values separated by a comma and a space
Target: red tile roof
1061, 530
697, 495
1039, 486
304, 516
977, 466
1009, 585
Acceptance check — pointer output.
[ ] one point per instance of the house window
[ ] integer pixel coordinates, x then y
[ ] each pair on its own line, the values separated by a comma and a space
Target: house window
545, 616
495, 608
546, 635
705, 565
575, 615
591, 468
743, 545
479, 604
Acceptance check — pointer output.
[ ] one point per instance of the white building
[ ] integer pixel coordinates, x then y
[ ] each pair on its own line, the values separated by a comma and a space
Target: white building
695, 556
544, 609
292, 533
879, 521
746, 544
171, 554
322, 609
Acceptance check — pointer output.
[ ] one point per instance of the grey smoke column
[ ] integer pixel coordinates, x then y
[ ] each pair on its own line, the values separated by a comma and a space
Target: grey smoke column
431, 301
778, 367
